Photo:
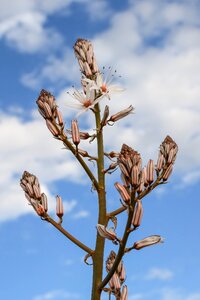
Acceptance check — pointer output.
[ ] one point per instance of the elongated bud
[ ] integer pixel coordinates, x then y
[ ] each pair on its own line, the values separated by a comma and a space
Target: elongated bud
167, 172
138, 213
135, 176
123, 192
150, 171
123, 113
105, 116
148, 241
39, 209
75, 132
59, 207
52, 128
59, 117
44, 201
122, 273
160, 162
110, 260
115, 282
106, 233
124, 294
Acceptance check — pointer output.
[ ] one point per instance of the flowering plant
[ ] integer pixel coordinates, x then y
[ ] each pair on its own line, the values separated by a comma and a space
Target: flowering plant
137, 181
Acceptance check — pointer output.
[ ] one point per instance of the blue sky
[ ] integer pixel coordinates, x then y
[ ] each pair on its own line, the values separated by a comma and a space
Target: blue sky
155, 47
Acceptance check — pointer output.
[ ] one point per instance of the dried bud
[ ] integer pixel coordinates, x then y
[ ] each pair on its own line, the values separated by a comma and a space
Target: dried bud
110, 260
75, 132
59, 207
138, 213
148, 241
123, 192
105, 116
124, 294
150, 171
106, 233
84, 53
123, 113
167, 172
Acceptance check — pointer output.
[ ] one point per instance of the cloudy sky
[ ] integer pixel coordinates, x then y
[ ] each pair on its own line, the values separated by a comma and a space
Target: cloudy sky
155, 47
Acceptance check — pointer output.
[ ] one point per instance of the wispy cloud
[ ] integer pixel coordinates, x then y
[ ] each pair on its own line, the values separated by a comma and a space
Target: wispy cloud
159, 274
57, 295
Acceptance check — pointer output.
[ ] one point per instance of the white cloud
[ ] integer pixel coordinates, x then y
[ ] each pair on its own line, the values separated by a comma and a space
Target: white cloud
81, 214
57, 295
159, 274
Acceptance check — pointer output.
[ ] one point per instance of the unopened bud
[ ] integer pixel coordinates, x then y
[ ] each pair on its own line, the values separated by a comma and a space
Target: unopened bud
39, 209
123, 113
138, 213
124, 294
148, 241
135, 176
150, 171
75, 132
167, 172
160, 162
59, 207
123, 192
52, 128
106, 233
59, 117
115, 282
122, 273
44, 201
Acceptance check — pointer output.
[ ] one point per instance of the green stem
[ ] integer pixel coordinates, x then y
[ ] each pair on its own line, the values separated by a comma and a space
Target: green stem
100, 242
68, 235
122, 244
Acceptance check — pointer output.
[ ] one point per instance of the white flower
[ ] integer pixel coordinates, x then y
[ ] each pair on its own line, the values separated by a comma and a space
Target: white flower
86, 100
104, 85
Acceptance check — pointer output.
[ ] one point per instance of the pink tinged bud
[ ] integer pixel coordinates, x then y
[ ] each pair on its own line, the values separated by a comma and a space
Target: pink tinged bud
28, 197
150, 171
148, 241
135, 176
122, 274
115, 282
60, 118
167, 172
52, 128
39, 209
59, 207
138, 213
124, 294
106, 233
123, 113
144, 176
75, 132
47, 110
44, 202
171, 156
123, 192
29, 190
160, 162
87, 69
124, 169
37, 192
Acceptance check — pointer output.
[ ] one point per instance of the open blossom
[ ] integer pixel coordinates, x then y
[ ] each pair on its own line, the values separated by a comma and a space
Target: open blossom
104, 86
86, 100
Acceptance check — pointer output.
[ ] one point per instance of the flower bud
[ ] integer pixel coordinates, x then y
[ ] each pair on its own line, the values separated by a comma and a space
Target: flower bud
135, 176
105, 116
59, 207
160, 162
106, 233
123, 113
52, 128
75, 132
138, 213
44, 202
150, 171
124, 294
123, 192
167, 172
148, 241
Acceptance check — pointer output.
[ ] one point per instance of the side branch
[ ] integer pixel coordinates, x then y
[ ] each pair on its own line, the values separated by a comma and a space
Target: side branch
69, 236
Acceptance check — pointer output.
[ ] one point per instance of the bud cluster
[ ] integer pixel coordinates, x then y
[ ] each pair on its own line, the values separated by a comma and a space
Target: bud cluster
49, 110
31, 187
85, 55
118, 277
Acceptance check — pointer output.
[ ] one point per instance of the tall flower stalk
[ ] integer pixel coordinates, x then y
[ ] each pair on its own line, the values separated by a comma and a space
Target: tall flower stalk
136, 180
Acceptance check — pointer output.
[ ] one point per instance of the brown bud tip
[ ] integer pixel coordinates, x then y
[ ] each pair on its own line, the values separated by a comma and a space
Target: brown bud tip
59, 207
